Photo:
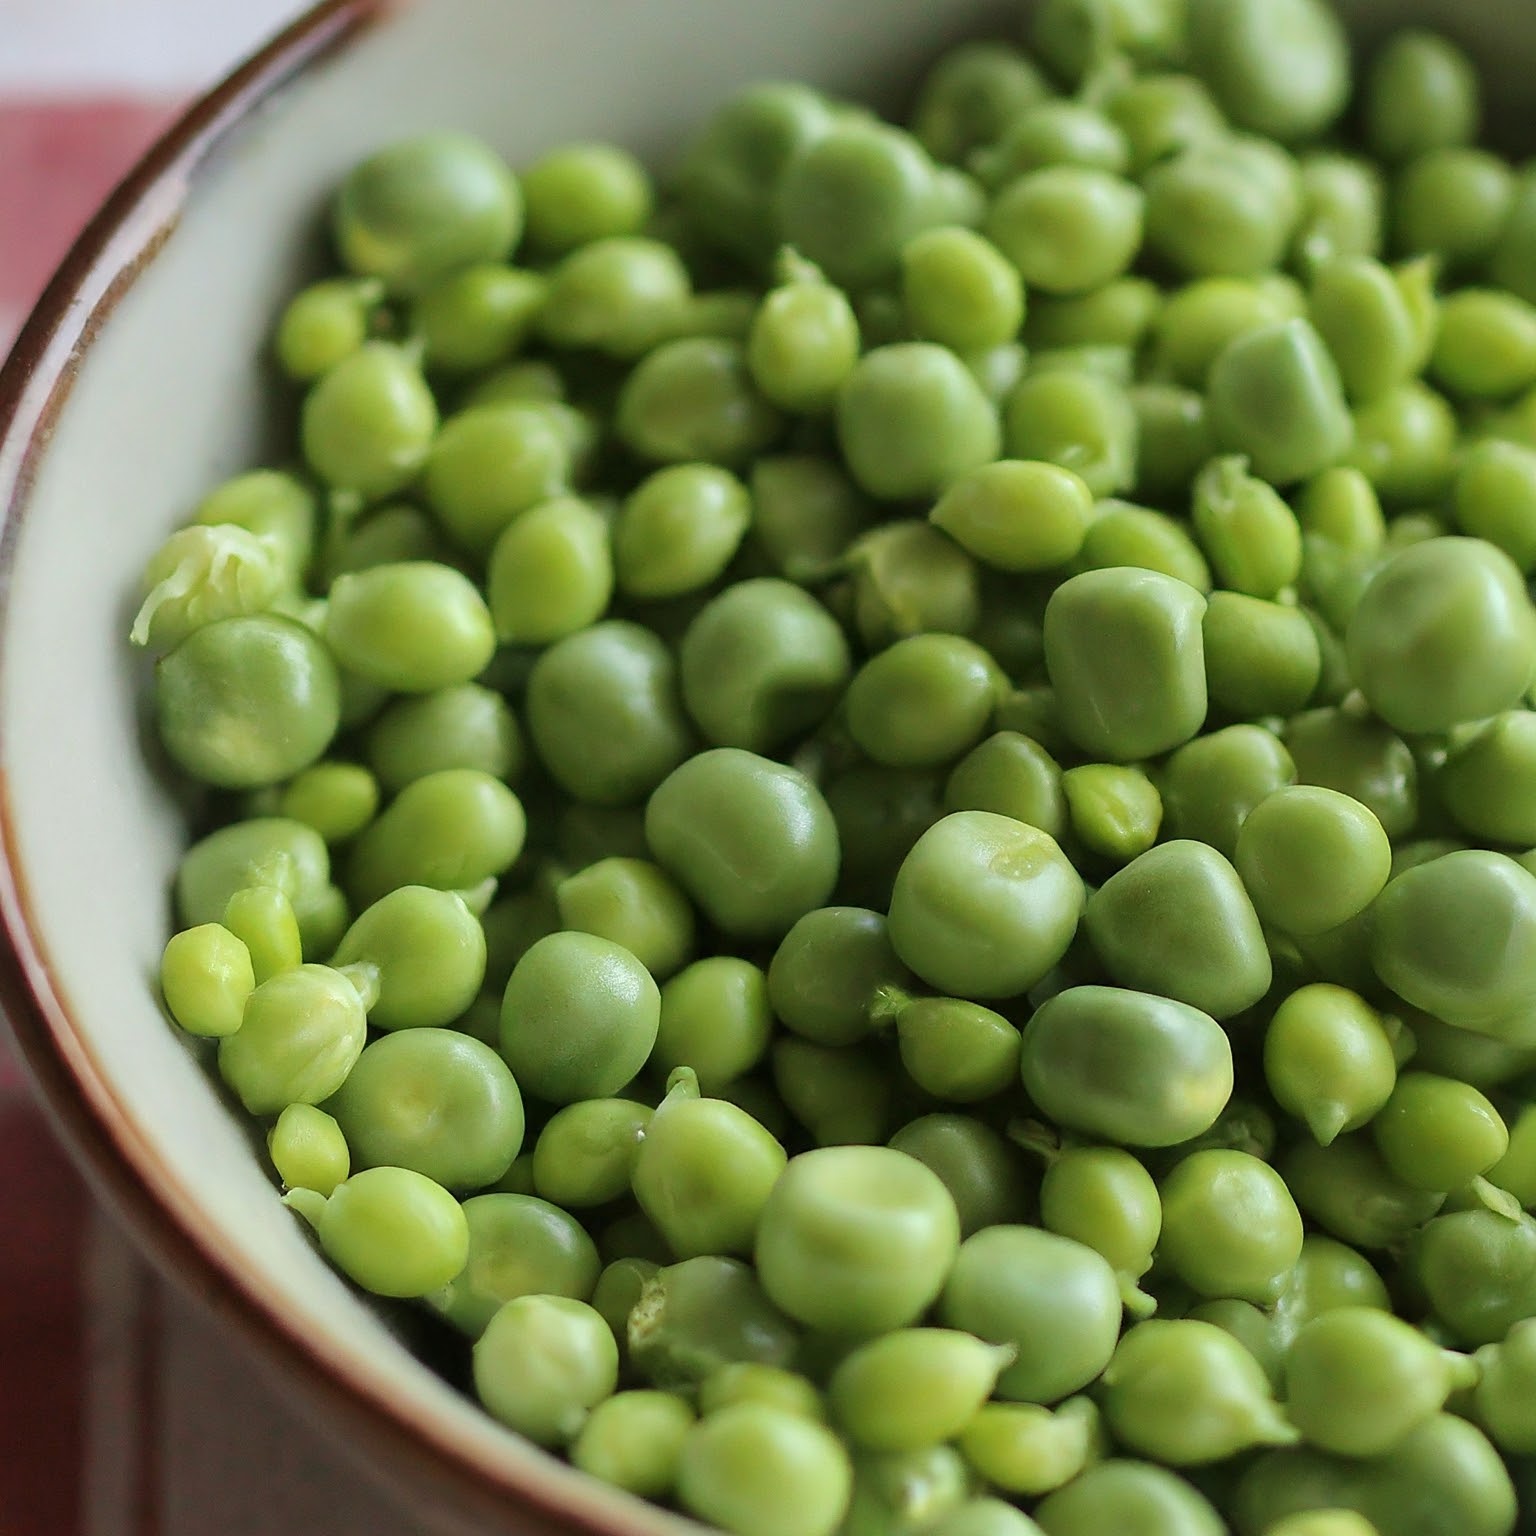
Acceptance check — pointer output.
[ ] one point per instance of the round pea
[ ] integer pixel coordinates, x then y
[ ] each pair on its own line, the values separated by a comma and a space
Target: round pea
550, 573
394, 1232
206, 976
585, 1155
959, 290
679, 529
1017, 516
715, 1019
1437, 1134
308, 1149
1077, 420
1067, 229
694, 400
984, 1174
634, 1441
803, 343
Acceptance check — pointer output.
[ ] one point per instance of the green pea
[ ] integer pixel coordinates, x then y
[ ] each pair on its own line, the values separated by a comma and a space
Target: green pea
1186, 1393
1022, 1448
1249, 1325
463, 726
749, 1381
1079, 421
856, 1240
694, 399
1261, 658
1017, 516
1421, 93
585, 1155
922, 702
1348, 1190
337, 799
751, 841
1486, 347
956, 1050
301, 1033
1128, 1495
828, 971
970, 96
1328, 1059
1176, 921
1104, 1197
1054, 133
1477, 1270
1210, 785
308, 1149
324, 323
526, 379
604, 713
911, 579
911, 418
804, 511
583, 192
1122, 534
206, 976
274, 506
634, 904
803, 343
634, 1441
550, 573
1275, 395
1010, 775
984, 1173
761, 664
1174, 438
1503, 1394
1124, 655
1067, 228
477, 317
1347, 751
736, 1465
1119, 314
679, 529
1343, 209
1363, 316
1173, 1066
1222, 207
1230, 1226
1054, 1300
394, 1232
616, 295
1404, 443
202, 574
704, 1172
1437, 1134
716, 1019
1250, 534
542, 1364
983, 906
1072, 36
1359, 1381
880, 813
1451, 202
1199, 320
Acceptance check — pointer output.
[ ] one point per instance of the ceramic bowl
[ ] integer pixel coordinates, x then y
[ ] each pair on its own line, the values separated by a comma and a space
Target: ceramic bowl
137, 384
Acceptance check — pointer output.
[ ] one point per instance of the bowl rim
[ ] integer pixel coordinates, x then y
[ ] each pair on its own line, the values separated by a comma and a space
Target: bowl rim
120, 1163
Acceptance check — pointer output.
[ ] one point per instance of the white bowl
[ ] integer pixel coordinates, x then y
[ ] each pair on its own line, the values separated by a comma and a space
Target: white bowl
137, 384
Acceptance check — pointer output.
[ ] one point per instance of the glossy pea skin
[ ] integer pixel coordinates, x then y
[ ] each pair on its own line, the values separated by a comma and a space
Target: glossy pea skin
1328, 1059
324, 323
1211, 784
984, 1174
245, 702
1124, 653
909, 579
1128, 1495
1359, 1381
411, 627
1122, 533
1017, 516
856, 1240
956, 1050
550, 573
1261, 658
518, 1246
1348, 1190
1454, 937
1055, 1300
1438, 1134
1067, 229
803, 344
1311, 858
704, 1170
1493, 497
752, 841
205, 977
1012, 775
829, 970
634, 904
736, 1465
1432, 650
300, 1035
1025, 1449
678, 530
394, 1232
1188, 1394
1250, 535
1077, 420
923, 701
337, 799
367, 425
693, 400
760, 664
634, 1441
435, 1101
911, 418
449, 830
585, 1155
1503, 1395
716, 1019
1177, 922
983, 906
1477, 1269
1104, 1197
426, 951
604, 713
308, 1149
1230, 1226
1484, 780
1328, 1274
960, 291
578, 1018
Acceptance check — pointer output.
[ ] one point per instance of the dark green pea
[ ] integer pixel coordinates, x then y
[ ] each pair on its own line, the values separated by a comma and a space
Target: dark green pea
585, 1155
984, 1173
1054, 1299
578, 1018
910, 579
911, 418
828, 971
1404, 444
1079, 420
1119, 1495
465, 726
1348, 1190
1346, 750
704, 1313
694, 400
751, 840
840, 1094
1175, 439
1173, 1066
715, 1019
1124, 534
1210, 785
1176, 921
1328, 1059
1230, 1226
1261, 658
922, 702
1453, 203
760, 664
604, 713
1477, 1269
956, 1050
1124, 655
805, 512
971, 95
984, 906
1011, 775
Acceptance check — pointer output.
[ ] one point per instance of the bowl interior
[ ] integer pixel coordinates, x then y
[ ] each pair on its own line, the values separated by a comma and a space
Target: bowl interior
170, 394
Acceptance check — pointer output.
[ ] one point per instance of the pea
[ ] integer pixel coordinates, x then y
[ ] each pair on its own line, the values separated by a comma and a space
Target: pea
585, 1155
1477, 1269
1437, 1134
394, 1232
1076, 420
1502, 1394
1067, 229
1022, 1448
1210, 785
956, 1050
1011, 775
693, 400
550, 572
634, 904
308, 1149
803, 343
971, 95
1104, 1197
922, 702
1120, 1494
206, 976
1328, 1059
910, 579
716, 1019
1350, 1192
1261, 658
984, 1174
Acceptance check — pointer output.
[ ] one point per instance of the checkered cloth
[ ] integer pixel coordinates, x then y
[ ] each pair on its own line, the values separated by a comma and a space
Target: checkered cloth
123, 1411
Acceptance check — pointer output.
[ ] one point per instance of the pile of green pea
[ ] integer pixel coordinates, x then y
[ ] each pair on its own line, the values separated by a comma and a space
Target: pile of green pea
873, 816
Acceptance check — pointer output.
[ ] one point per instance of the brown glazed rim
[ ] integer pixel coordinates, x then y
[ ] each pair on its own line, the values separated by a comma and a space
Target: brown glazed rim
444, 1477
